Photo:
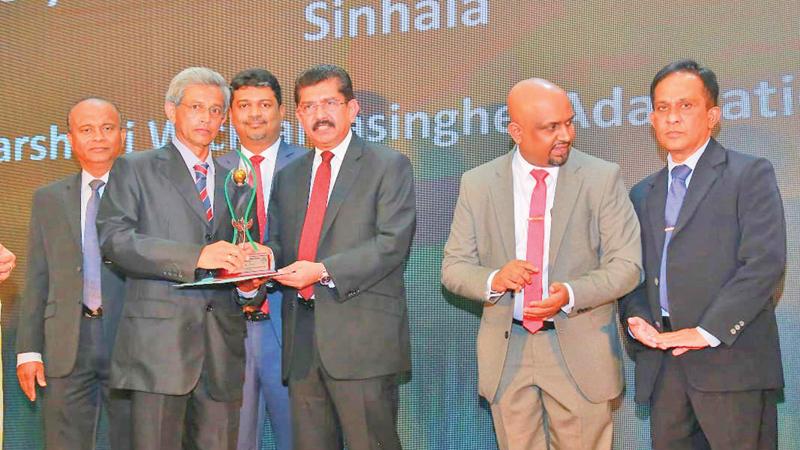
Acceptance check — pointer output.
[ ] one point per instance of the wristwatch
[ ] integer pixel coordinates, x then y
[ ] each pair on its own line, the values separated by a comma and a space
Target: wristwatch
325, 279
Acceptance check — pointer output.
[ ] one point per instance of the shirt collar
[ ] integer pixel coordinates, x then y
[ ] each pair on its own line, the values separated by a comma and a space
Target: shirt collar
691, 161
189, 158
270, 153
339, 150
86, 178
525, 167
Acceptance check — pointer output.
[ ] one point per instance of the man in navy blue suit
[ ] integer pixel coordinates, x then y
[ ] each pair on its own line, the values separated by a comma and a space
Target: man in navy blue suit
714, 241
256, 113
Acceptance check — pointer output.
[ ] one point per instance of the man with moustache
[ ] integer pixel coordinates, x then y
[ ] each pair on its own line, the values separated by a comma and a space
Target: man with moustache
546, 238
164, 221
706, 345
257, 112
342, 217
7, 263
73, 298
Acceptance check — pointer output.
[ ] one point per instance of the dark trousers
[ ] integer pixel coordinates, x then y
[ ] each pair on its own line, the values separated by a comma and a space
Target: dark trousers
191, 421
326, 411
684, 418
72, 404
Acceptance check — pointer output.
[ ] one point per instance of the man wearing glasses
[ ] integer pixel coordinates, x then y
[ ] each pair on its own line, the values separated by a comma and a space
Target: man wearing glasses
342, 217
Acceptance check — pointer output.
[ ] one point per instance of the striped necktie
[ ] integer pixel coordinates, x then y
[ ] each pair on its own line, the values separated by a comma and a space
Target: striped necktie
92, 296
201, 174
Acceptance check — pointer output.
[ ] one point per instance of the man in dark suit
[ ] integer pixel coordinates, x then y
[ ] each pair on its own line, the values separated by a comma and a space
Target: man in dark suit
256, 113
714, 243
73, 298
164, 220
344, 217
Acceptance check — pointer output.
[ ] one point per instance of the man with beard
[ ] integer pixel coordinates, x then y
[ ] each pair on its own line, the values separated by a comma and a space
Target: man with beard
546, 238
256, 113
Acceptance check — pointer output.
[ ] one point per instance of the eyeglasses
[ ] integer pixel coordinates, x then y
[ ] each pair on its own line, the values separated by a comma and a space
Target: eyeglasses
330, 105
197, 108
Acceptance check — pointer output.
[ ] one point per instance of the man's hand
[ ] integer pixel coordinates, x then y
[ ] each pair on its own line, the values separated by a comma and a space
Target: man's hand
548, 307
681, 341
513, 276
221, 255
7, 263
300, 274
29, 374
643, 331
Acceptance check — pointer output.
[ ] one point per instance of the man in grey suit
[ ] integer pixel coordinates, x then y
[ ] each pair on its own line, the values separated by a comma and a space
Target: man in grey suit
164, 220
344, 217
256, 113
546, 238
714, 240
73, 298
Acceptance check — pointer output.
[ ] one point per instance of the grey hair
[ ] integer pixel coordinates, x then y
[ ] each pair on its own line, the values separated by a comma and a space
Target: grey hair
196, 75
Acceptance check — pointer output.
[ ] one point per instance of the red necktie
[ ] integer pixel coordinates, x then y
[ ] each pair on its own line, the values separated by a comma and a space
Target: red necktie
261, 210
535, 253
312, 226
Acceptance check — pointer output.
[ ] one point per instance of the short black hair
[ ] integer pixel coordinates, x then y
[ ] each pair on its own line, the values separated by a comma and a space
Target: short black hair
95, 98
257, 78
323, 72
707, 75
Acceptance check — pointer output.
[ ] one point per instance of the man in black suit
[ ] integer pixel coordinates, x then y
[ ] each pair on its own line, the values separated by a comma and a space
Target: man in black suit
342, 217
164, 220
714, 243
73, 298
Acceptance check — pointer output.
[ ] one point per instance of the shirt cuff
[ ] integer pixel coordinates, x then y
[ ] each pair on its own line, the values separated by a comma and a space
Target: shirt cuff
712, 341
247, 294
490, 294
27, 357
571, 304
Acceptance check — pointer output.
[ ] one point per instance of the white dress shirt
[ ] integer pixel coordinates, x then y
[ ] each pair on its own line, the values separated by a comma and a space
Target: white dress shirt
86, 194
270, 155
691, 162
523, 185
336, 162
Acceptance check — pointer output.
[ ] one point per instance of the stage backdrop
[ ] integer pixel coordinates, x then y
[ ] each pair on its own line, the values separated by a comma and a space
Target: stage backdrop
431, 77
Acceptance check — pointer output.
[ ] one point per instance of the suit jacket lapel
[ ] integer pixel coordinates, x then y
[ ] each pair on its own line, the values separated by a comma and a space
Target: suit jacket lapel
704, 176
302, 187
72, 208
221, 213
348, 174
655, 201
568, 185
501, 192
285, 152
174, 170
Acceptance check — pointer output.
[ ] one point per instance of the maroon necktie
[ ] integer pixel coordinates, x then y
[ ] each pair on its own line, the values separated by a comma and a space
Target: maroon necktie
535, 253
261, 210
312, 226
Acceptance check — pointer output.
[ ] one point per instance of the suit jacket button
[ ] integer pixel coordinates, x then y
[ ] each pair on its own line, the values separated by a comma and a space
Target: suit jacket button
209, 237
210, 308
506, 334
655, 280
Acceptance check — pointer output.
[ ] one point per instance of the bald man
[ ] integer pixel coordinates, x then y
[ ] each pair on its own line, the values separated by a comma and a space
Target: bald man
73, 299
547, 240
